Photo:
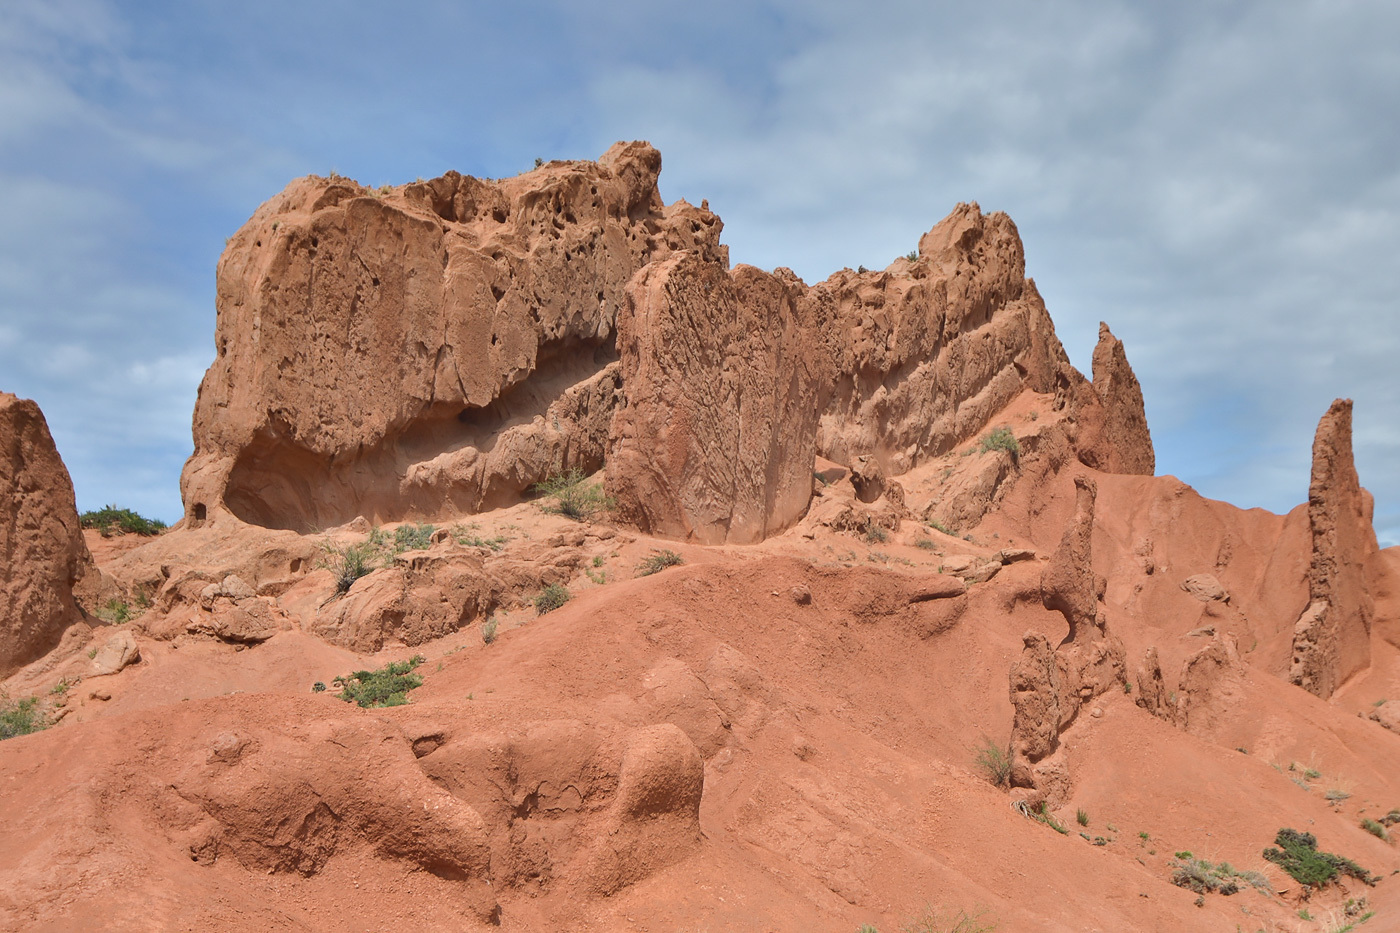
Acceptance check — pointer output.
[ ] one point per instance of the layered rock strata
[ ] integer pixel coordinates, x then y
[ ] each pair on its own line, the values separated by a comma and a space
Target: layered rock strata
42, 554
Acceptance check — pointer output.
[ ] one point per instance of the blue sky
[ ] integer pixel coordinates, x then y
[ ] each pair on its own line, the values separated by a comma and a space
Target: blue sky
1217, 180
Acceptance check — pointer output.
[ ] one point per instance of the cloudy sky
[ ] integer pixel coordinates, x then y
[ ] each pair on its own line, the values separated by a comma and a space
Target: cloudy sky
1220, 181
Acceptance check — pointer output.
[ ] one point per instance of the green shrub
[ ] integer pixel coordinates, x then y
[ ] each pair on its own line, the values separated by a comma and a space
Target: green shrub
1374, 828
387, 686
349, 562
994, 763
1297, 854
488, 630
572, 497
551, 598
912, 255
20, 717
659, 561
939, 526
925, 544
114, 521
1000, 439
114, 611
412, 537
1081, 817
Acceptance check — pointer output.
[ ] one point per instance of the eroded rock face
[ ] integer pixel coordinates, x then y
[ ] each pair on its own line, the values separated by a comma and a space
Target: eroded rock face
926, 352
1113, 435
1050, 687
435, 349
1331, 640
42, 554
437, 346
1068, 584
716, 439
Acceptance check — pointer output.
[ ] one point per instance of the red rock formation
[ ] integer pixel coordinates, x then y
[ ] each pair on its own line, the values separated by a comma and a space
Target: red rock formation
42, 554
1113, 435
439, 346
716, 439
1048, 688
1332, 638
927, 351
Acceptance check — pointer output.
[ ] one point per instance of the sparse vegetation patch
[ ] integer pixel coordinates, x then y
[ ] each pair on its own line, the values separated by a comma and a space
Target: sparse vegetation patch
659, 561
387, 686
114, 611
934, 920
569, 494
1374, 828
20, 717
469, 535
551, 598
349, 562
111, 521
1204, 878
412, 537
1000, 439
994, 763
1297, 854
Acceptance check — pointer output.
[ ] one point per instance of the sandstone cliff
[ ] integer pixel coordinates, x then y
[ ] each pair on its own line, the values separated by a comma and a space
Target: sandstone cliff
436, 349
42, 554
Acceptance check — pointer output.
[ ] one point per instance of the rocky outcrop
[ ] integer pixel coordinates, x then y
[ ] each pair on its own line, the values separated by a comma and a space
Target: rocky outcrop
1331, 640
566, 802
1049, 688
42, 554
437, 346
877, 370
716, 439
419, 597
435, 349
1113, 435
927, 351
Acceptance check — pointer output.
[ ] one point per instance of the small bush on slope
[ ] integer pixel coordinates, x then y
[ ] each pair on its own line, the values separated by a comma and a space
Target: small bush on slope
1297, 854
551, 598
387, 686
994, 763
573, 498
1000, 439
349, 562
19, 717
658, 562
